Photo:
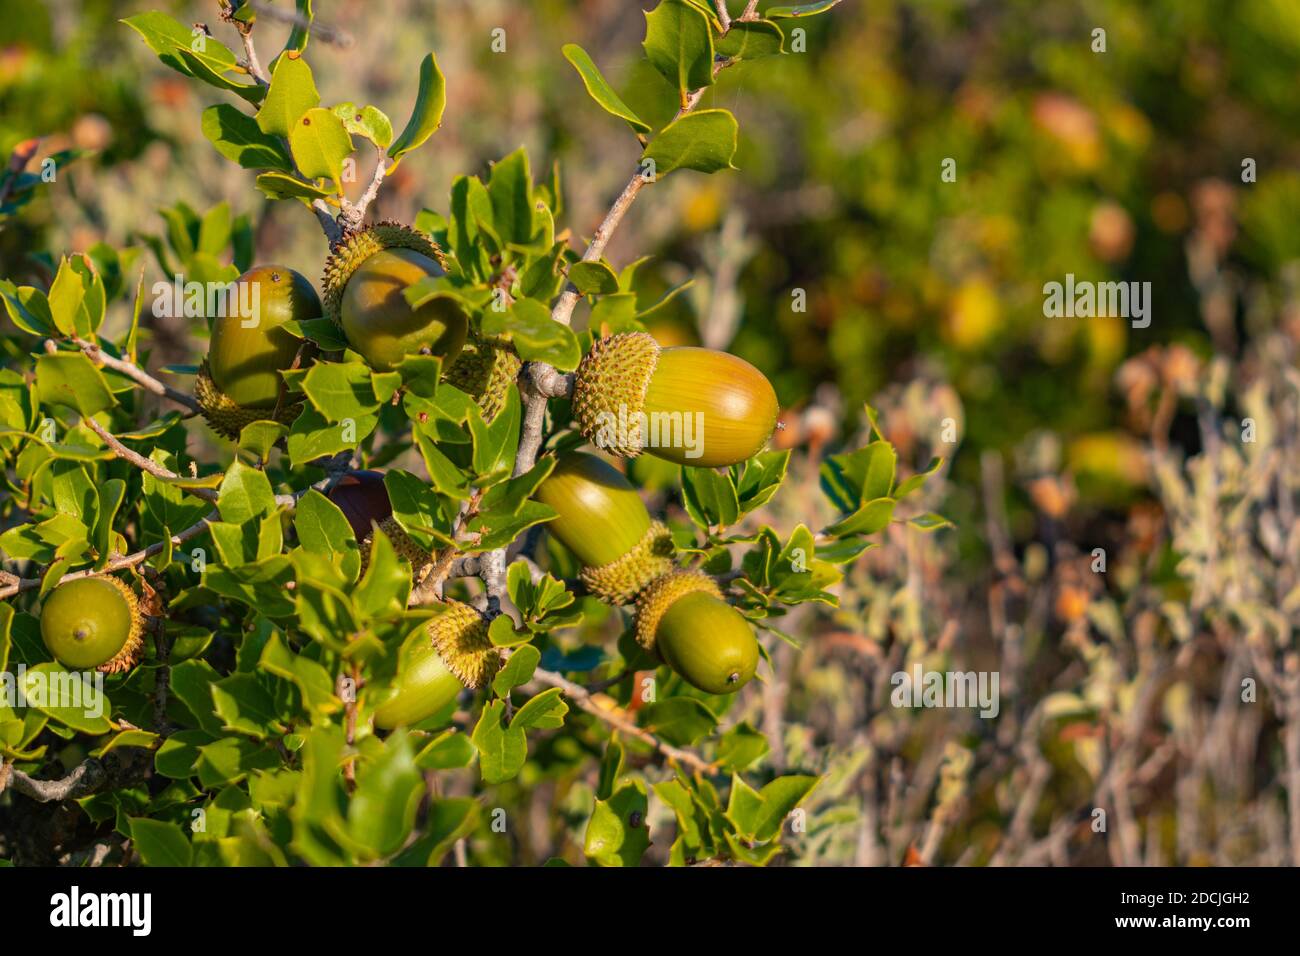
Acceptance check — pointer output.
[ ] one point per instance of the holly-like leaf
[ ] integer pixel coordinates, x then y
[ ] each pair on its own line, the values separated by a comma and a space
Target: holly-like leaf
293, 92
160, 843
536, 336
71, 379
751, 39
679, 44
593, 278
617, 834
426, 117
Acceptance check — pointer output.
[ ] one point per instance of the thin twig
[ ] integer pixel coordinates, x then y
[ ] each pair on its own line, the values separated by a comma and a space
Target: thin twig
132, 371
143, 463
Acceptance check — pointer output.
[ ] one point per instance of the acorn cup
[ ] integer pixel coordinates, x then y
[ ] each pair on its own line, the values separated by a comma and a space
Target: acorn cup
702, 407
431, 674
683, 618
93, 622
485, 370
365, 278
603, 521
239, 381
363, 499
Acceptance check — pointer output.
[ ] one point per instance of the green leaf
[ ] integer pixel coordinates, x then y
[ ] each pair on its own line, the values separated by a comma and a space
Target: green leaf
245, 494
293, 92
381, 812
536, 336
593, 278
600, 90
199, 68
679, 44
704, 141
426, 117
277, 185
929, 522
545, 711
160, 843
71, 379
502, 750
710, 497
237, 137
617, 834
909, 485
510, 188
245, 705
611, 768
369, 121
741, 747
679, 720
166, 36
802, 10
231, 759
191, 684
178, 757
870, 518
69, 697
518, 670
320, 143
751, 39
448, 751
312, 680
760, 815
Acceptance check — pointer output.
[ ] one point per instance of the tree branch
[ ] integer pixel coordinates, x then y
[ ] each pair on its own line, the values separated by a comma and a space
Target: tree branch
83, 779
143, 463
96, 354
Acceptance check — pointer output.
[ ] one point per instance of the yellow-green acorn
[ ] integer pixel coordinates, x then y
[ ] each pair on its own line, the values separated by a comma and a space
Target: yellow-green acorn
93, 622
485, 370
363, 499
432, 673
365, 279
239, 381
691, 406
683, 618
603, 521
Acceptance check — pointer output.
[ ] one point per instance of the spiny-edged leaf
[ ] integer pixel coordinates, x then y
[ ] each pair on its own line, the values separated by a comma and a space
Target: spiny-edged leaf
600, 90
245, 705
536, 336
426, 117
237, 137
741, 746
293, 92
679, 44
245, 494
704, 141
710, 497
617, 834
518, 670
320, 143
313, 681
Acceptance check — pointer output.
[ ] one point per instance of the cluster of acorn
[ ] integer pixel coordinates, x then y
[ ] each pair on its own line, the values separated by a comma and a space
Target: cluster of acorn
627, 558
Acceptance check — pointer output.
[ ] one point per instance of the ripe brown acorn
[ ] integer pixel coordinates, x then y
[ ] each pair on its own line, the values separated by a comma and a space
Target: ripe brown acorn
456, 654
365, 279
93, 622
691, 406
363, 499
603, 521
683, 618
239, 381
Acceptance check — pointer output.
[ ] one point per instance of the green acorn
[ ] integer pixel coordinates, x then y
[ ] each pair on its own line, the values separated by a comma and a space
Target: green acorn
683, 618
363, 499
93, 622
432, 673
365, 278
239, 381
702, 407
485, 370
603, 521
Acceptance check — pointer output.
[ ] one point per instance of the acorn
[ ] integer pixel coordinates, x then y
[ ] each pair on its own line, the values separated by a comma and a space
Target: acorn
701, 407
93, 622
485, 370
239, 381
431, 674
365, 278
683, 618
603, 521
363, 499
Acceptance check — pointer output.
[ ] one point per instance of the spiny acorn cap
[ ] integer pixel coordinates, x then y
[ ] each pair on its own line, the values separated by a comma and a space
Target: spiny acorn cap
620, 581
402, 544
460, 636
484, 370
227, 418
132, 649
656, 599
353, 248
615, 373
